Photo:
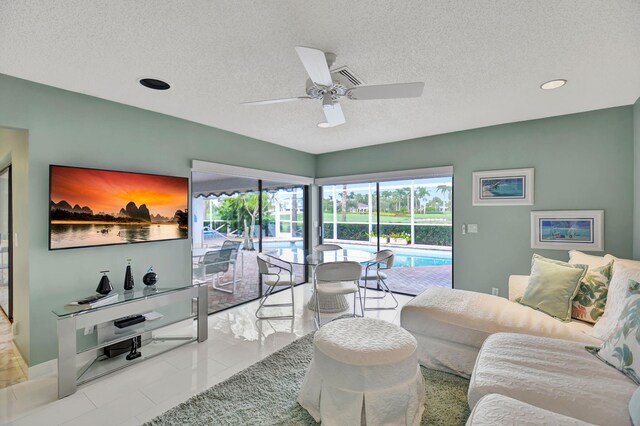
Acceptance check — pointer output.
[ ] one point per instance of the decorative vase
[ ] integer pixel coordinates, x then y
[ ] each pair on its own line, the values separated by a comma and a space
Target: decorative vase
104, 286
128, 277
150, 278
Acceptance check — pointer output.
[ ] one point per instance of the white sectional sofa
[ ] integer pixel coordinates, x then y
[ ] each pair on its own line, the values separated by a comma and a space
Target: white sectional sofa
451, 325
495, 409
555, 376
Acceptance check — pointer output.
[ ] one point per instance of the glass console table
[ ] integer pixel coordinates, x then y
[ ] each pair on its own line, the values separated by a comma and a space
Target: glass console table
83, 332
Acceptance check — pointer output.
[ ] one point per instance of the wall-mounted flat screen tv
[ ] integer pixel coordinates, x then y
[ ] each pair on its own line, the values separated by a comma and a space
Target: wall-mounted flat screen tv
90, 207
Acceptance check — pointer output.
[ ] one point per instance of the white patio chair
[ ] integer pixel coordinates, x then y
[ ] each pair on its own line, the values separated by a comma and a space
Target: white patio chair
275, 275
337, 278
374, 272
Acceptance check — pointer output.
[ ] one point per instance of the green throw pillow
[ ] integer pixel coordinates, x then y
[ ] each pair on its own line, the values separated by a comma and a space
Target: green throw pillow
622, 349
552, 286
591, 298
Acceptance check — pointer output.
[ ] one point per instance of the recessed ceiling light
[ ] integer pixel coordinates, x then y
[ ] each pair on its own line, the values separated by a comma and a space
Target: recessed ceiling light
154, 83
553, 84
324, 125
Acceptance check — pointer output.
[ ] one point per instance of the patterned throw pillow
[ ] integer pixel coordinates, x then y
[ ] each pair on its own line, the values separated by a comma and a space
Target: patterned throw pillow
588, 305
622, 349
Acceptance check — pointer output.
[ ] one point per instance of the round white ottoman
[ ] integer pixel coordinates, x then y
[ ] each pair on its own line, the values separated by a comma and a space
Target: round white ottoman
364, 371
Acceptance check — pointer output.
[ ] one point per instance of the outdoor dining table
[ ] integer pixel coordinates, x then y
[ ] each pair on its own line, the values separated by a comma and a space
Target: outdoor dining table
328, 302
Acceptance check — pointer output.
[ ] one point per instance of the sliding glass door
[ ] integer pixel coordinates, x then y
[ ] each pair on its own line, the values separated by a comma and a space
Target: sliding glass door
412, 217
283, 221
233, 219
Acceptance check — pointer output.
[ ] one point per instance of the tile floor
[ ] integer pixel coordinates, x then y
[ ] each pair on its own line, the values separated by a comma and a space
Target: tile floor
137, 394
10, 371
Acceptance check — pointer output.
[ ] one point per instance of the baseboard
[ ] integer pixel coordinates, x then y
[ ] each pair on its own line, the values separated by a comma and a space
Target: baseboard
43, 369
23, 365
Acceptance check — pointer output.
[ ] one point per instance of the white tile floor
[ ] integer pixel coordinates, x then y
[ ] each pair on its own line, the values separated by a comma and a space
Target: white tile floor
137, 394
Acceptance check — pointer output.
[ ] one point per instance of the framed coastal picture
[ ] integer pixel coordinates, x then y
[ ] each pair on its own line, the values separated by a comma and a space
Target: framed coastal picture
567, 230
513, 187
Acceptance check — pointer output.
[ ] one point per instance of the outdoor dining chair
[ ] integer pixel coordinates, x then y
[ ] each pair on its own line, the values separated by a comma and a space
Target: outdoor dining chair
274, 275
374, 271
337, 278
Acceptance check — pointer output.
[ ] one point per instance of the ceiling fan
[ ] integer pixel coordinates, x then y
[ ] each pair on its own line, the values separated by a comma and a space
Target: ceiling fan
321, 85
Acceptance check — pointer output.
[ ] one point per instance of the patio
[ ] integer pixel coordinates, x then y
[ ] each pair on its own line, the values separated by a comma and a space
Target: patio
409, 280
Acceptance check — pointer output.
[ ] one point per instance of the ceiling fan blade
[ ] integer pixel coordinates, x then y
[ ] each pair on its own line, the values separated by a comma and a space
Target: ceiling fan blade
274, 101
315, 63
386, 91
334, 114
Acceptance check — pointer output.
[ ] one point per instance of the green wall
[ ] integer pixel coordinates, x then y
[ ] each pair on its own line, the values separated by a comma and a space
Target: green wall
636, 179
74, 129
581, 161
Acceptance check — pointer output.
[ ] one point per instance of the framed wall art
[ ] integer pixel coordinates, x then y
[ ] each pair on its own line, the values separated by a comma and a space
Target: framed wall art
568, 230
513, 187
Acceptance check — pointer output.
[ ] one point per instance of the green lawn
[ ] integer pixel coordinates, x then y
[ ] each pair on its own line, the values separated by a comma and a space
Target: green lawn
389, 218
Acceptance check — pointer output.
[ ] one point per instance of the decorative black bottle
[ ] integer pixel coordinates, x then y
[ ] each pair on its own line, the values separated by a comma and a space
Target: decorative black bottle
128, 277
104, 286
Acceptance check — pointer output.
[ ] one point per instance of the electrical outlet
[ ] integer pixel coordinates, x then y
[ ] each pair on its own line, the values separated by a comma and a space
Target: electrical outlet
88, 330
472, 228
495, 291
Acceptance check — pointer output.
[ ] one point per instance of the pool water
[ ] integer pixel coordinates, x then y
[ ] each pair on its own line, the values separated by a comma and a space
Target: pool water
405, 257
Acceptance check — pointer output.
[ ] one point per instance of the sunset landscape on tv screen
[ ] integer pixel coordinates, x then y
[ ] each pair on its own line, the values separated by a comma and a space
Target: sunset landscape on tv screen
91, 207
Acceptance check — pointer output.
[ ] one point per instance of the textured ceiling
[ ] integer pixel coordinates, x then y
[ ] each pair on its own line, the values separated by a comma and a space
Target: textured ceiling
482, 61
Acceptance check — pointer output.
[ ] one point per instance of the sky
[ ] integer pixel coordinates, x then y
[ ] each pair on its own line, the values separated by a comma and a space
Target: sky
108, 192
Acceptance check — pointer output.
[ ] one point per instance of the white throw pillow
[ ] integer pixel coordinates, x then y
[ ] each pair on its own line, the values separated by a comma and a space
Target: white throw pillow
626, 262
618, 287
579, 258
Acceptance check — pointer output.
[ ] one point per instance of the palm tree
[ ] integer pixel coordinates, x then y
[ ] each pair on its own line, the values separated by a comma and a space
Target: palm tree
446, 191
344, 203
421, 195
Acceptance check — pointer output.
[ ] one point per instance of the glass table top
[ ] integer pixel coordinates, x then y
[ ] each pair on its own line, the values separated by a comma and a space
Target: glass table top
124, 296
313, 257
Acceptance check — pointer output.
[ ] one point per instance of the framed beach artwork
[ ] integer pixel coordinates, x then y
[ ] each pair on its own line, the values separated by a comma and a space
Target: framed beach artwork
513, 187
567, 230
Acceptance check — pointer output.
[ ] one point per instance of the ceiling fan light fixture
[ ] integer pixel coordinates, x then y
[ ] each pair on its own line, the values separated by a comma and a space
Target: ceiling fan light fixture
154, 84
324, 125
553, 84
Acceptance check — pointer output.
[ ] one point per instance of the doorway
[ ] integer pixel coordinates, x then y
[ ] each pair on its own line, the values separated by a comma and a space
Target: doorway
6, 246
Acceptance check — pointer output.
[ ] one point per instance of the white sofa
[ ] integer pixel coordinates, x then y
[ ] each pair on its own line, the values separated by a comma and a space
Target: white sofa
451, 325
552, 381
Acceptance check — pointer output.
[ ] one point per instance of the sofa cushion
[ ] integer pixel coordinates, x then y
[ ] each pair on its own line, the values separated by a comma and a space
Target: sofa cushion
591, 298
500, 410
552, 286
622, 349
622, 273
555, 375
486, 314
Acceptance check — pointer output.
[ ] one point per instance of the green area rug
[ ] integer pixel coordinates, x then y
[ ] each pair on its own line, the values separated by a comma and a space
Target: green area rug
266, 392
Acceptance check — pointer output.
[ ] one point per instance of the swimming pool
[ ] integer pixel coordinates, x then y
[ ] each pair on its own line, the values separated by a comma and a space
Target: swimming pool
405, 257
